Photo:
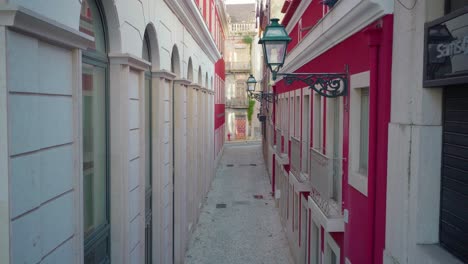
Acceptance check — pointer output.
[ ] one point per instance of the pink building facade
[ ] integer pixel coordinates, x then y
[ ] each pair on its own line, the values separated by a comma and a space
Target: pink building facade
328, 156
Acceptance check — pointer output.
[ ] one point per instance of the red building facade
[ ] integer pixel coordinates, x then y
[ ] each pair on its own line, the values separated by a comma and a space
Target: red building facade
329, 155
214, 14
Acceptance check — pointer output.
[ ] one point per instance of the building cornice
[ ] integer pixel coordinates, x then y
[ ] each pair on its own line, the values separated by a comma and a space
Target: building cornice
221, 7
344, 20
130, 60
188, 14
26, 21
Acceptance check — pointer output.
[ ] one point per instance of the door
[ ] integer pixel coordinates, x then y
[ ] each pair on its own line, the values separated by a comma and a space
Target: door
453, 233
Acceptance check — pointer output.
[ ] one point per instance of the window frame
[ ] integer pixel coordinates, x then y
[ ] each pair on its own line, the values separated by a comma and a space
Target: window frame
98, 59
356, 178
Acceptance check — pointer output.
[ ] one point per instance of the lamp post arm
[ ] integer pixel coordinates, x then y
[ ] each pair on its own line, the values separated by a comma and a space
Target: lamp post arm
326, 84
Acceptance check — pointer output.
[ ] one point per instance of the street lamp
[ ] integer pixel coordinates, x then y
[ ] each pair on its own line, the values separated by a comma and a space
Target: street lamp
275, 41
251, 82
259, 96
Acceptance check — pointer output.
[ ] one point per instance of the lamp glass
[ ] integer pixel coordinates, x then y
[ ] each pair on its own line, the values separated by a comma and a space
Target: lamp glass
251, 82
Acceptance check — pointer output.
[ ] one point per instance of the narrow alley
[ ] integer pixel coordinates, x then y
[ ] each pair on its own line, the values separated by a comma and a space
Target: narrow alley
239, 222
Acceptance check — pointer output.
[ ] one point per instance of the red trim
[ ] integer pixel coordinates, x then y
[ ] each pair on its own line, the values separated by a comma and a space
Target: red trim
374, 44
285, 6
310, 226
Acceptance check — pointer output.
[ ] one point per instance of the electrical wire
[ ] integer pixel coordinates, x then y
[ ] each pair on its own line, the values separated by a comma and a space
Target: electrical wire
408, 8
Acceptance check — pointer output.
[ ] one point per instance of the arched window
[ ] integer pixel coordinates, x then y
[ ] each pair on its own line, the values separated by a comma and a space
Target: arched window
148, 155
95, 136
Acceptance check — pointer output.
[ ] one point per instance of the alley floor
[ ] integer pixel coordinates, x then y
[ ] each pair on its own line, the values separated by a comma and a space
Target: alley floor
239, 223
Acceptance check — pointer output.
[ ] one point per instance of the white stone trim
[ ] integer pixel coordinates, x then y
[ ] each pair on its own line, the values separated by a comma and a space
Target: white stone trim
355, 178
298, 15
128, 59
77, 91
163, 74
4, 158
331, 245
345, 19
298, 186
328, 224
183, 82
190, 16
31, 23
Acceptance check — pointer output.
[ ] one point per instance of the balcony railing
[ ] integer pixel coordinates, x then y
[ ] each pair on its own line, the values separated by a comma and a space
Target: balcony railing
237, 103
279, 143
321, 173
242, 27
295, 155
238, 66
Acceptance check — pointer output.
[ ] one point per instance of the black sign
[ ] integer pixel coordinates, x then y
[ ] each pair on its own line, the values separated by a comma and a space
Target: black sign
446, 50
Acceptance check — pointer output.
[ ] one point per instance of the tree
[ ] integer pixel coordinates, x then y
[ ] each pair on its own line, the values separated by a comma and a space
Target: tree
250, 111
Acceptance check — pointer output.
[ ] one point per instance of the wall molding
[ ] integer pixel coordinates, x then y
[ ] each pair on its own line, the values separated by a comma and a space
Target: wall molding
164, 74
26, 21
344, 20
188, 14
130, 60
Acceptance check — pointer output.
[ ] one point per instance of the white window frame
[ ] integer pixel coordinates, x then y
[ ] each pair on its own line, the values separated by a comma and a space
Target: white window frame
319, 241
306, 131
356, 178
335, 104
331, 246
317, 119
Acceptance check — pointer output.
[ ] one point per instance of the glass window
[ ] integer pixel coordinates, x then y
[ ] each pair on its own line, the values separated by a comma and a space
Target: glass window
95, 137
92, 25
94, 148
317, 133
364, 132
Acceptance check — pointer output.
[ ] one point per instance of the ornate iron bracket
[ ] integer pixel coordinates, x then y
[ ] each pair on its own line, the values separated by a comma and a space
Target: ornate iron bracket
326, 84
263, 96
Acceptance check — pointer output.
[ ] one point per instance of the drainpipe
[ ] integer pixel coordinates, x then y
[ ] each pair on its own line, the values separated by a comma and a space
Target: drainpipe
375, 40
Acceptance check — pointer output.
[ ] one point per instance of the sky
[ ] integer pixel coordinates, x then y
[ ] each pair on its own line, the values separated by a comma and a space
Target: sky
229, 2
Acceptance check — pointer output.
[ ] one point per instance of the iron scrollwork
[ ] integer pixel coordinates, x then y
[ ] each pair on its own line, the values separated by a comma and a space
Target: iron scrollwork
326, 84
260, 96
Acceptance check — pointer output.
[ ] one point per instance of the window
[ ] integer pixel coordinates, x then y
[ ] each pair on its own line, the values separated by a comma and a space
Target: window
148, 155
364, 132
305, 134
317, 133
314, 244
359, 131
297, 117
332, 250
95, 137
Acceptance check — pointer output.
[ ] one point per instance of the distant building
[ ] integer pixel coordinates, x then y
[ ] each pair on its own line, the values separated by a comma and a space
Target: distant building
240, 45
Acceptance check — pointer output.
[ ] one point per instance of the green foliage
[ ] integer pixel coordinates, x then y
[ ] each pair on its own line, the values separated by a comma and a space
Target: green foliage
250, 110
247, 40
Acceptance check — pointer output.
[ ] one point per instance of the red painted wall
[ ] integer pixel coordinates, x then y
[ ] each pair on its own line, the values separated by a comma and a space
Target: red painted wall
369, 49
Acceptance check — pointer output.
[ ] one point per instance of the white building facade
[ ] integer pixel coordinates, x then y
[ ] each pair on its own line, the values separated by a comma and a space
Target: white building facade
106, 129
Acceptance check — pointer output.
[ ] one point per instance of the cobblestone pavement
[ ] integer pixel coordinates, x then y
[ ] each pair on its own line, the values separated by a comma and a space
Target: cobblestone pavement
248, 229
